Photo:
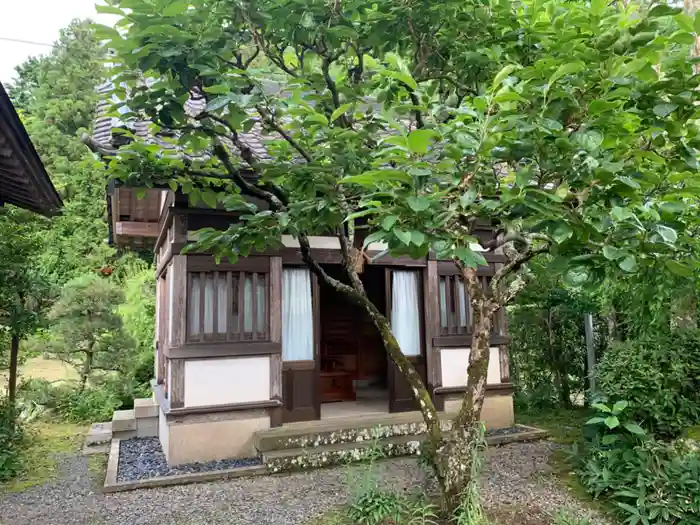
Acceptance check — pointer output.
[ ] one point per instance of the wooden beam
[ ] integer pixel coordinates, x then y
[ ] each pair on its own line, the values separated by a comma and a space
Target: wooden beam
136, 229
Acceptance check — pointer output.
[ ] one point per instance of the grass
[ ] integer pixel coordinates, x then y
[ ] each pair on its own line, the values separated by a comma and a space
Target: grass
47, 441
564, 425
43, 368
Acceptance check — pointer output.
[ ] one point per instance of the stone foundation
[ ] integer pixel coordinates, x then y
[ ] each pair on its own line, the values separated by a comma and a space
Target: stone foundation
497, 411
209, 437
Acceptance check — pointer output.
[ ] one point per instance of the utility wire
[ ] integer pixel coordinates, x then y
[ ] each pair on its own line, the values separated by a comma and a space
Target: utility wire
20, 41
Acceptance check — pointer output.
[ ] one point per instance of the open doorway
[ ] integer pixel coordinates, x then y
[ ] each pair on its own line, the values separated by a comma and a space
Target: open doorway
353, 362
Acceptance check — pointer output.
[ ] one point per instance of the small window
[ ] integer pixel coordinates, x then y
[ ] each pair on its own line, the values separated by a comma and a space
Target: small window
456, 316
227, 306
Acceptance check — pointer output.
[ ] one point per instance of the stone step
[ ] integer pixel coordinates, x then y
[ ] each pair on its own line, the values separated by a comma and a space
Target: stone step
341, 453
350, 430
123, 421
147, 426
98, 439
145, 408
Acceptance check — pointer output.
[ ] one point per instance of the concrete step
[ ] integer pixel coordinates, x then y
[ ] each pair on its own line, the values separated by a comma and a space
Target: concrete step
123, 421
98, 439
341, 453
147, 427
145, 408
346, 430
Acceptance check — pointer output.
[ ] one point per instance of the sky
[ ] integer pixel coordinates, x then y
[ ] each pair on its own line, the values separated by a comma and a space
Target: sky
36, 21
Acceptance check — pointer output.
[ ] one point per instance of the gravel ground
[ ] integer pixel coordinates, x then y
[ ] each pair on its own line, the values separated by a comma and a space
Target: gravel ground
142, 458
516, 477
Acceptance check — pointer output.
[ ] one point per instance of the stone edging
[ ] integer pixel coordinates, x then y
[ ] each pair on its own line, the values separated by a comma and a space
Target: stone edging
112, 485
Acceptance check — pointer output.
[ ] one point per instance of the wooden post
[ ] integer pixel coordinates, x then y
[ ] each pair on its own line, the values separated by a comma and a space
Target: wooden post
590, 348
177, 385
14, 357
275, 327
431, 309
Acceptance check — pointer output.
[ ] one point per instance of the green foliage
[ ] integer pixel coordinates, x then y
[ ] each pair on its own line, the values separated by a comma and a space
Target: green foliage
660, 377
87, 331
57, 99
375, 506
65, 402
647, 481
139, 308
11, 441
567, 517
548, 348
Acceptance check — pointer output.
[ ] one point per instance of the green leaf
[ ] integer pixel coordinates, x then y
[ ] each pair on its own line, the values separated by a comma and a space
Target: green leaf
468, 197
417, 238
634, 428
664, 110
696, 22
678, 268
611, 422
590, 139
340, 111
595, 421
218, 103
600, 407
402, 235
374, 237
628, 264
219, 89
108, 10
371, 178
663, 10
406, 78
684, 21
389, 221
419, 140
669, 234
609, 439
317, 117
598, 6
561, 232
612, 254
173, 184
619, 407
502, 75
209, 198
176, 8
418, 203
566, 69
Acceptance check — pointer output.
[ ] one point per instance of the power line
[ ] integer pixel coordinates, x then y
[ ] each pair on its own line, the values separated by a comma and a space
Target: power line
20, 41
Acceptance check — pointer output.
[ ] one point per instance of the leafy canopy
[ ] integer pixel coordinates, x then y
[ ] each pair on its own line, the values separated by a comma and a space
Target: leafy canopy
569, 125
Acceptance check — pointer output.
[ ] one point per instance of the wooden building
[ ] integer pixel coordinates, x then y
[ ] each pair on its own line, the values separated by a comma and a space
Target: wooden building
23, 179
241, 348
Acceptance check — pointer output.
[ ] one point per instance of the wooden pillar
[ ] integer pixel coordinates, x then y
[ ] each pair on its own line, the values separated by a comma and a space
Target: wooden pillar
177, 383
177, 281
431, 309
276, 414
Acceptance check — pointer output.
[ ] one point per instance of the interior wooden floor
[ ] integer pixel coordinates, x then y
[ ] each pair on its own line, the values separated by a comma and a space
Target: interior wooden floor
361, 407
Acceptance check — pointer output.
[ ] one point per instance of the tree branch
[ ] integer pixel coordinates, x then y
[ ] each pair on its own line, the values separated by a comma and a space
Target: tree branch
274, 125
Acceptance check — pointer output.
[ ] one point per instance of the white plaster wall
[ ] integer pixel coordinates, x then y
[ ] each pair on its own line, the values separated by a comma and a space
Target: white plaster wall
454, 363
224, 381
163, 434
315, 241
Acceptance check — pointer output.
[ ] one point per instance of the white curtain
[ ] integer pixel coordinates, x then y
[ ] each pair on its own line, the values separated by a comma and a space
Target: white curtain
405, 311
297, 315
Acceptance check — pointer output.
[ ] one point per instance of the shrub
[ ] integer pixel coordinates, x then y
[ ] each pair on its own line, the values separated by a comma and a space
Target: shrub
11, 441
660, 377
647, 481
66, 402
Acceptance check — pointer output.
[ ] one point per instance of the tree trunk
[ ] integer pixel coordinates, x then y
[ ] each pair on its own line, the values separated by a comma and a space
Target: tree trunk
87, 368
459, 452
14, 358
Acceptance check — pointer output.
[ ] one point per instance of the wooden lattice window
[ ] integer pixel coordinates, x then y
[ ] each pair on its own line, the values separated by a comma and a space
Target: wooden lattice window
227, 306
456, 316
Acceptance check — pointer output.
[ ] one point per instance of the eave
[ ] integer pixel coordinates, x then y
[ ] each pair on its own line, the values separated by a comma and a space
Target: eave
23, 178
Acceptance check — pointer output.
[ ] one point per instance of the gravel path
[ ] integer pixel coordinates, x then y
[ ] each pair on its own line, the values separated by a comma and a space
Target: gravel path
516, 475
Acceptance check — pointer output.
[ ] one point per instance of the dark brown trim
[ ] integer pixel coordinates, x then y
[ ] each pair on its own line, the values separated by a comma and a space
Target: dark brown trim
207, 263
223, 349
231, 407
299, 365
465, 340
504, 363
276, 416
449, 268
177, 386
497, 389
